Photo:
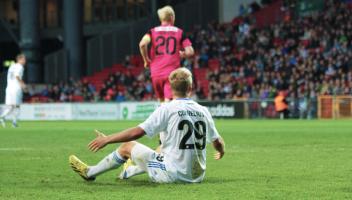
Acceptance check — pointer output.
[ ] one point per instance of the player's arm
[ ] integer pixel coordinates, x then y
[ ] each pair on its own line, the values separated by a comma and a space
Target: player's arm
143, 48
124, 136
187, 52
214, 137
155, 123
219, 146
23, 85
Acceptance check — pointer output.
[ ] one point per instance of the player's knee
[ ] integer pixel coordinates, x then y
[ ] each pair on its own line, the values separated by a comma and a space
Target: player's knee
125, 149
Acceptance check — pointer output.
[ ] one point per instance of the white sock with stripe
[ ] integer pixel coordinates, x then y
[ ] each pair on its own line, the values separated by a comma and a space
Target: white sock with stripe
111, 161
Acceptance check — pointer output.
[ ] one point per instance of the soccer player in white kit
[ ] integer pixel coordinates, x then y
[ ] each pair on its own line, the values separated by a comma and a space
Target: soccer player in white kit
14, 88
188, 126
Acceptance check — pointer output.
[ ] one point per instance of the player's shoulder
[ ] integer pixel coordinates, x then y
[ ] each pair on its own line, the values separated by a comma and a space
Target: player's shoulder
162, 108
166, 29
13, 67
16, 66
20, 67
205, 110
189, 102
201, 108
168, 105
180, 29
176, 104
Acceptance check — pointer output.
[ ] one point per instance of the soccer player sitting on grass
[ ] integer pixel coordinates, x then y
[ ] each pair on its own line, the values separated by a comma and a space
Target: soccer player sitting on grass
187, 126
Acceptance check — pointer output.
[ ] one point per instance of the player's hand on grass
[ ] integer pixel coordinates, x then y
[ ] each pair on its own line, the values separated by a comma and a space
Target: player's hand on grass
99, 142
219, 146
218, 155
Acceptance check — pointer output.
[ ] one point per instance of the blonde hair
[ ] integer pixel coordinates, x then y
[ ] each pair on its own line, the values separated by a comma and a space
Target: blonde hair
180, 81
166, 14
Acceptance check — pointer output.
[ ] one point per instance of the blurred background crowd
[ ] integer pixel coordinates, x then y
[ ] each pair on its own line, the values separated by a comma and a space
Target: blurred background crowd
302, 56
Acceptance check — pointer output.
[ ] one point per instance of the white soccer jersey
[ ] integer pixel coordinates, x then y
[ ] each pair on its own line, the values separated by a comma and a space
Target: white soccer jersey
187, 127
14, 70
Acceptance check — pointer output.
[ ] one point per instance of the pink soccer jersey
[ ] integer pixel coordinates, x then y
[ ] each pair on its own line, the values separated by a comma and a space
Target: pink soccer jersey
166, 42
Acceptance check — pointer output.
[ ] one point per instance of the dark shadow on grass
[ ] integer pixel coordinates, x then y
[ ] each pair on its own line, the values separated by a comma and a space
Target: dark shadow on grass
138, 182
210, 180
117, 183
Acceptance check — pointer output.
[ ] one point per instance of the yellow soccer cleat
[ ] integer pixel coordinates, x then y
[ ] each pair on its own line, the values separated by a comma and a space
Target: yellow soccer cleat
123, 174
80, 168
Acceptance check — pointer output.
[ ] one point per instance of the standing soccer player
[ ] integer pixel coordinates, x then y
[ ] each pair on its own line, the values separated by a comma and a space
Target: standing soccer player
168, 45
14, 88
187, 127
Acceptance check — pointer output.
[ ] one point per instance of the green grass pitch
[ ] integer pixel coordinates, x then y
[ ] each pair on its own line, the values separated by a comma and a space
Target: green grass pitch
265, 159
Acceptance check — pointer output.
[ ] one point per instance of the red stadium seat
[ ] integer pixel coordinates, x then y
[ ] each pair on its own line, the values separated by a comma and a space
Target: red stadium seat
136, 61
214, 64
77, 98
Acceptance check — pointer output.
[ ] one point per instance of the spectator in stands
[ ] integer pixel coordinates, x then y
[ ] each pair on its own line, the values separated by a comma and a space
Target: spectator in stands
120, 97
242, 10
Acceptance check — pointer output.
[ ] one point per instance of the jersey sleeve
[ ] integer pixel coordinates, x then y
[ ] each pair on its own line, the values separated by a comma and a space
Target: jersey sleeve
212, 133
156, 122
185, 42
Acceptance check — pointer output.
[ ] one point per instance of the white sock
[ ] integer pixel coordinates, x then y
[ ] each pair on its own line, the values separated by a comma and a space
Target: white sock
15, 113
111, 161
7, 111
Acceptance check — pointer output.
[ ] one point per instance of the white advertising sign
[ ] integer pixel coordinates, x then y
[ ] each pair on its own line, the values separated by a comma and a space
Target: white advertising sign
88, 111
49, 111
95, 111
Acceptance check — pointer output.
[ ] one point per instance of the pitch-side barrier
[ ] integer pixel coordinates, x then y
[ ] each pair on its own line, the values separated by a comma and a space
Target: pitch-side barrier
117, 111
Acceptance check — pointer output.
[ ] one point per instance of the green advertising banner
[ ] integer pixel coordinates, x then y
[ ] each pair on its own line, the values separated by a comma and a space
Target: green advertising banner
137, 110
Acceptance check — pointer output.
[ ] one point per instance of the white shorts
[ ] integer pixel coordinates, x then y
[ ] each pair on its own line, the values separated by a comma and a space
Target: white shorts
13, 96
152, 163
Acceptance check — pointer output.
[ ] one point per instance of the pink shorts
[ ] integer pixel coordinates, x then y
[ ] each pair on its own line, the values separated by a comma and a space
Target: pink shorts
162, 88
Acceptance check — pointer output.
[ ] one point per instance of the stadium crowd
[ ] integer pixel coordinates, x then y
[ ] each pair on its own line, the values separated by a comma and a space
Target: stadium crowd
118, 87
305, 56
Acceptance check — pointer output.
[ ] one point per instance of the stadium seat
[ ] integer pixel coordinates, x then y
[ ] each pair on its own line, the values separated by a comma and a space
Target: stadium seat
214, 64
77, 98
